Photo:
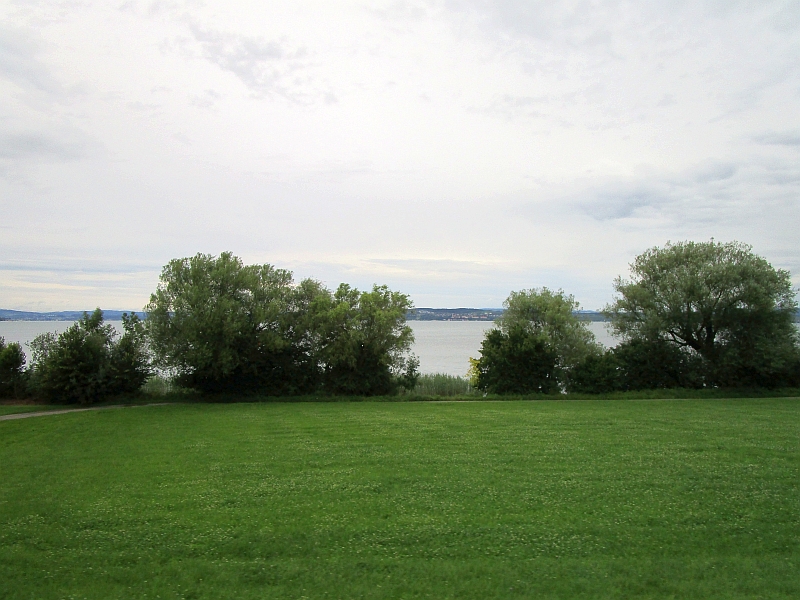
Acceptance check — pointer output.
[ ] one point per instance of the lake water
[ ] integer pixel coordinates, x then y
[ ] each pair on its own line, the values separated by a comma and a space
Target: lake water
446, 346
442, 346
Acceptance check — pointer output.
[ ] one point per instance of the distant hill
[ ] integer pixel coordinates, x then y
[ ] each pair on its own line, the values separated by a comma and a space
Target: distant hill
454, 314
480, 314
66, 315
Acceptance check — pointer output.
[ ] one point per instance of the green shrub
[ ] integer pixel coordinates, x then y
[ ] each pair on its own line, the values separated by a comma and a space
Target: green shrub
12, 375
441, 384
517, 362
87, 363
597, 374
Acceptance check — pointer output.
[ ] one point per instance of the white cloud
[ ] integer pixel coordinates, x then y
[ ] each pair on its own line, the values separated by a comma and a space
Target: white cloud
455, 151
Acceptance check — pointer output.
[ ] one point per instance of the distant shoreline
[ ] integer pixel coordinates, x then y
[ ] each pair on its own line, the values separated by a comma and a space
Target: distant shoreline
418, 314
482, 314
64, 315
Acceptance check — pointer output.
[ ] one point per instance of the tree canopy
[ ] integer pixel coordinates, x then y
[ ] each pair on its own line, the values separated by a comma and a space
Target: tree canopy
220, 325
539, 341
718, 300
551, 317
90, 361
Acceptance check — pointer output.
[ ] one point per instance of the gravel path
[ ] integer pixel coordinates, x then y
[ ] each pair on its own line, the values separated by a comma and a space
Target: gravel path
44, 413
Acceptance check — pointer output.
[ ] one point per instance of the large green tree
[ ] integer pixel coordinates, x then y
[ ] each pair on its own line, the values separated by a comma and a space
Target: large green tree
367, 342
719, 301
219, 325
538, 342
551, 316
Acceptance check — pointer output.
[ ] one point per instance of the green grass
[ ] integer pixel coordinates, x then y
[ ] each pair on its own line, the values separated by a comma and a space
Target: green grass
547, 499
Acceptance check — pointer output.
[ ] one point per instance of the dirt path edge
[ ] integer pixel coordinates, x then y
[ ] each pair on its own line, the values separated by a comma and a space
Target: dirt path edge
43, 413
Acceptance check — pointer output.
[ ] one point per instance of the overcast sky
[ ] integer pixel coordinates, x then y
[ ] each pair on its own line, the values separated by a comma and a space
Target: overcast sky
453, 150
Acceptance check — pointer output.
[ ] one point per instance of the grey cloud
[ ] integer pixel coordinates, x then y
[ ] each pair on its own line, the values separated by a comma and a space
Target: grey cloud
205, 100
575, 24
786, 138
266, 67
710, 172
624, 202
26, 146
704, 193
18, 64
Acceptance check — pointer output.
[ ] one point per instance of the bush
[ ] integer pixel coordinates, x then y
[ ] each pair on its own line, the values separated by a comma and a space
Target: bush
12, 375
597, 374
637, 365
441, 384
657, 364
517, 362
87, 363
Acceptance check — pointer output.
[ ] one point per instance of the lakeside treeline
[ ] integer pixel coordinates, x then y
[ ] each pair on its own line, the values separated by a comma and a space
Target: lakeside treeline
692, 315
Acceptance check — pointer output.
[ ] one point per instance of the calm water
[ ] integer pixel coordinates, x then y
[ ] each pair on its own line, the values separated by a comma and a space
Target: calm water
446, 346
442, 346
23, 332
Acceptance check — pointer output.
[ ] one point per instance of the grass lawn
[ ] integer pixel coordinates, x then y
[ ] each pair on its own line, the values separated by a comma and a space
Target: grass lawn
547, 499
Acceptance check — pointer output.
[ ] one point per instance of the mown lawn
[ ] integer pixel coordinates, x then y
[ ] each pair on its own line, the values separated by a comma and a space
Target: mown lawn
549, 499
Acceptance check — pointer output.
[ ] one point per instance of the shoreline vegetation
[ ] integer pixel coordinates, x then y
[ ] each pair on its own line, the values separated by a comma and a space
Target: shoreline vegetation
418, 314
692, 316
437, 387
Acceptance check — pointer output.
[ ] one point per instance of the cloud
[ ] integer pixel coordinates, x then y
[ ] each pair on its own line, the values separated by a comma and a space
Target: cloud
19, 64
709, 193
26, 146
266, 67
621, 201
712, 171
786, 138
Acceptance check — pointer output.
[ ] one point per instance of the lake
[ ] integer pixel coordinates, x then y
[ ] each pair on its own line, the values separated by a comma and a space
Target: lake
446, 346
442, 346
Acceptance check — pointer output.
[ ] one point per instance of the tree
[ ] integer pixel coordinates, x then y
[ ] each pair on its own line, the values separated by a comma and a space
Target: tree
219, 325
87, 363
719, 301
539, 327
366, 342
515, 362
129, 358
12, 375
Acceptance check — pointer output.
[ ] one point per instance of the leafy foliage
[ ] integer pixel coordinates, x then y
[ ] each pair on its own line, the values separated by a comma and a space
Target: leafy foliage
87, 362
517, 362
365, 342
219, 325
12, 374
717, 301
636, 365
539, 343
